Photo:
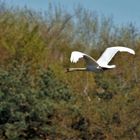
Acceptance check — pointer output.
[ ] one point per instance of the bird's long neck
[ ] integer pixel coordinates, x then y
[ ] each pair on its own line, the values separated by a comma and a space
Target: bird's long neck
76, 69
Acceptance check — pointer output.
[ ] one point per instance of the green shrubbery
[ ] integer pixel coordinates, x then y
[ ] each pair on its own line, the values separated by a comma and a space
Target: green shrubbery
29, 104
38, 100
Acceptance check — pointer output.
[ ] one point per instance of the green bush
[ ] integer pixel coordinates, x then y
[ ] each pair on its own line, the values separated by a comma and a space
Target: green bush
39, 101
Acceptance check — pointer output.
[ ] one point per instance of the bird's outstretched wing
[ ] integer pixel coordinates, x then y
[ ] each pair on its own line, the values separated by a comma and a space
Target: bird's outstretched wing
75, 56
108, 54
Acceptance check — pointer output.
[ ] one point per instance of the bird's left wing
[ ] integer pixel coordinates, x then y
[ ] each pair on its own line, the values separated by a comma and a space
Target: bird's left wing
108, 54
76, 55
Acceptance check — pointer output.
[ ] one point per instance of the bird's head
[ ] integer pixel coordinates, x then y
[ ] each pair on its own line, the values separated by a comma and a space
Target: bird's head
67, 70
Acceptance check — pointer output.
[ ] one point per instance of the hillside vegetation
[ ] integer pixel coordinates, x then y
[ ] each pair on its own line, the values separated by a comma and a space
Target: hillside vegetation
39, 101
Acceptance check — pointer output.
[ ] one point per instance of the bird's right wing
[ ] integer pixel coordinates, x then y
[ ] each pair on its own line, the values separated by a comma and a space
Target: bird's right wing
75, 56
108, 54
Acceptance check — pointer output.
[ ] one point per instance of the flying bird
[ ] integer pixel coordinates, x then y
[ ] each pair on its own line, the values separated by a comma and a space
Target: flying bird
102, 63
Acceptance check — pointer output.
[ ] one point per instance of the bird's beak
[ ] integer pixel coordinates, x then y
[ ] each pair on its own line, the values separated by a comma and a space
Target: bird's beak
66, 70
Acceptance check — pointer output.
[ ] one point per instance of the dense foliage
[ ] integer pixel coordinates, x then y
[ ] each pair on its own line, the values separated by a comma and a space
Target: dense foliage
39, 101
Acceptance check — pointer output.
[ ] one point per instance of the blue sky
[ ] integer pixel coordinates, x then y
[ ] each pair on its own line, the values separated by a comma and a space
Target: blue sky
122, 11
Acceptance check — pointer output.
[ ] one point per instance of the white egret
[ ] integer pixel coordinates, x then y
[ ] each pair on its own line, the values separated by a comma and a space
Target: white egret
102, 63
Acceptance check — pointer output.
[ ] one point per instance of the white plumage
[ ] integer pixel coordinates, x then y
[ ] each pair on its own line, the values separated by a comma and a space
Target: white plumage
101, 63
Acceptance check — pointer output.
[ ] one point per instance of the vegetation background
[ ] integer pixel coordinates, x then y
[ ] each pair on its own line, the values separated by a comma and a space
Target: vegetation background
39, 101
